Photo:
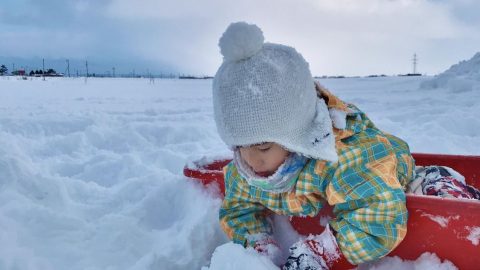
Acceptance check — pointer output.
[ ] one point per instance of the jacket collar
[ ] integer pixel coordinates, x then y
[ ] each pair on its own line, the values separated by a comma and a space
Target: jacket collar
335, 104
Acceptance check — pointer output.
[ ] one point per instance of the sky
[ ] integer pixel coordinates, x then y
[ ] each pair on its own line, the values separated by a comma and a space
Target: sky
341, 37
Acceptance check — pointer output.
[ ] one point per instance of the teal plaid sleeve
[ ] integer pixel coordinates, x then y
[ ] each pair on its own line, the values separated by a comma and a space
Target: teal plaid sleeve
241, 217
368, 196
371, 228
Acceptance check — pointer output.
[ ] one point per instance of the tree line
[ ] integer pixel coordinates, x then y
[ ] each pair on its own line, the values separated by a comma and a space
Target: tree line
38, 72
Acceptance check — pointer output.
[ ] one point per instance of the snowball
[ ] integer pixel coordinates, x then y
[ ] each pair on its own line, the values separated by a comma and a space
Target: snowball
233, 256
240, 41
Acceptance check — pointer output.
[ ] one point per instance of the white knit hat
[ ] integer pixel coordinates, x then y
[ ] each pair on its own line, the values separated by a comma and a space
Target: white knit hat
264, 92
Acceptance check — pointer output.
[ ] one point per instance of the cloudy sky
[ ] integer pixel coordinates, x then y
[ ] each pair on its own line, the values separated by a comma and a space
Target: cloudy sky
347, 37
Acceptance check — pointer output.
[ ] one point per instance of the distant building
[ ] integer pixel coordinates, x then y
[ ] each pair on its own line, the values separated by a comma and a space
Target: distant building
19, 72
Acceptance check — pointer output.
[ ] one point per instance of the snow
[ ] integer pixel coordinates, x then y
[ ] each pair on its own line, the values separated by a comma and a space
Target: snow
427, 261
235, 257
464, 76
324, 220
339, 118
455, 174
474, 235
440, 220
91, 173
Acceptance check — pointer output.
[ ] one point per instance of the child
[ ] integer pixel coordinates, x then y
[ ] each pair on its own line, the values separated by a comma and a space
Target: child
296, 147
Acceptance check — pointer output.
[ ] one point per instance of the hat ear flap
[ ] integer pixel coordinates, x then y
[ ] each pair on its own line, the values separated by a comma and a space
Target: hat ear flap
321, 137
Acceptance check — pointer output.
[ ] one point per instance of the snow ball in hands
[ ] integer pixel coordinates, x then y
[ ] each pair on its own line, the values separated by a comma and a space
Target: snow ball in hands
241, 41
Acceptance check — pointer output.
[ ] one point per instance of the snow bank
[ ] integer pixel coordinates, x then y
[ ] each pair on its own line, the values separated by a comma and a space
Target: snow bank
91, 173
439, 121
464, 76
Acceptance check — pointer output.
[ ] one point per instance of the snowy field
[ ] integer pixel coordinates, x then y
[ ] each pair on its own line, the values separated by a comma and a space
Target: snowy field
91, 173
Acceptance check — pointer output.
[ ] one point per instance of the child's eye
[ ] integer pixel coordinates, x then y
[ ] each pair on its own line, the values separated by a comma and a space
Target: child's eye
264, 149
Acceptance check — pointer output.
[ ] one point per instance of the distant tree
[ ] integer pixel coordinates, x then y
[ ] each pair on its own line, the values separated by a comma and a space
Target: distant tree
3, 70
51, 71
32, 73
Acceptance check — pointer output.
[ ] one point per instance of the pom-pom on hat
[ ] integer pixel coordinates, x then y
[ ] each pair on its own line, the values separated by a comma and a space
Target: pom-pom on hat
264, 92
241, 41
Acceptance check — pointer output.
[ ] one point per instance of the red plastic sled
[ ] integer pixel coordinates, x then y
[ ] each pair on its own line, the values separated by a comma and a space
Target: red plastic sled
448, 227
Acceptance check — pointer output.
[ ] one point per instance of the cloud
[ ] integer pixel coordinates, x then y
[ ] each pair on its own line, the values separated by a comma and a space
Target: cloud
336, 37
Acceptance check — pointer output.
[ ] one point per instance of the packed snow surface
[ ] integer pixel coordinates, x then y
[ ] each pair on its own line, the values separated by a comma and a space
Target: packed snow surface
91, 172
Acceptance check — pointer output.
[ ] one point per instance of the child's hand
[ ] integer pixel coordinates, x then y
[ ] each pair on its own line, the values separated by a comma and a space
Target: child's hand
304, 255
316, 252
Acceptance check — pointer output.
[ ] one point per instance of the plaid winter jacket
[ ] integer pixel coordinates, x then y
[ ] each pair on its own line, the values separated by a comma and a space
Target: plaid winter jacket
366, 188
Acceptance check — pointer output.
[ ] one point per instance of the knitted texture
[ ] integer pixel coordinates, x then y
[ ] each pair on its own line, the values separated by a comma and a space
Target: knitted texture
269, 95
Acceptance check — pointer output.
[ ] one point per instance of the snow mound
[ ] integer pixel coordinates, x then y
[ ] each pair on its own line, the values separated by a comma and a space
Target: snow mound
461, 77
233, 256
91, 173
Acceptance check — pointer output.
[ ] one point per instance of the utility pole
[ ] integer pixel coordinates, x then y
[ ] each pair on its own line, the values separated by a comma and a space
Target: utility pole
68, 68
415, 60
150, 77
43, 68
113, 71
86, 66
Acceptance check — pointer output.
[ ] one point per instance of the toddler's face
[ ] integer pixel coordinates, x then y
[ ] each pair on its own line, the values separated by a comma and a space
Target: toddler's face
264, 158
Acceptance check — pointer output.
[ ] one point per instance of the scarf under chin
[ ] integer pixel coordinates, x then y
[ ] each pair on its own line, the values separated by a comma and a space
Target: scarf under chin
282, 180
